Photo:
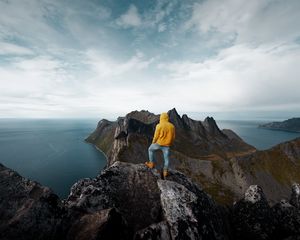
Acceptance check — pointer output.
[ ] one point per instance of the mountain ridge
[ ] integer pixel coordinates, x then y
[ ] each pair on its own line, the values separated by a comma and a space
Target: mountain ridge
219, 160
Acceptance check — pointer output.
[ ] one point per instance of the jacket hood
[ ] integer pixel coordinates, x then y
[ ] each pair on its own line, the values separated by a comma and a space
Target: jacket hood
164, 117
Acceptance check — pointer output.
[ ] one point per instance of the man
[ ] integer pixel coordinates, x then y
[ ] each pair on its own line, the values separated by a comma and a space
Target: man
163, 138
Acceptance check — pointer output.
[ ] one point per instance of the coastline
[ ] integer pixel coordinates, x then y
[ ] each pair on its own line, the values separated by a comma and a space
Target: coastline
279, 129
106, 158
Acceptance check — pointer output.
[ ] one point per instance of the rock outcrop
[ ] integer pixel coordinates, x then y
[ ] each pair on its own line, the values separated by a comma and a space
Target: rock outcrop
125, 201
150, 205
252, 216
27, 209
129, 201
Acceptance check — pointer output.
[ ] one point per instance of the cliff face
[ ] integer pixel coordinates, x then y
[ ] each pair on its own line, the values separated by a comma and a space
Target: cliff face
220, 161
291, 125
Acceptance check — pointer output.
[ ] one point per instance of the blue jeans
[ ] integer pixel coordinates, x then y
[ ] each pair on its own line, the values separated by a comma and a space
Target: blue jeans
165, 150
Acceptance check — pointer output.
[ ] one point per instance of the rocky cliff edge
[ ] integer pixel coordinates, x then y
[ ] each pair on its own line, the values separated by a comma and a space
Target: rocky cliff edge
130, 201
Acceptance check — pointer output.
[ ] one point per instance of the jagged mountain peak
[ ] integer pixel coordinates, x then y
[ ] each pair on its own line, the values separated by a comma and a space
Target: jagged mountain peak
209, 121
143, 116
174, 112
211, 126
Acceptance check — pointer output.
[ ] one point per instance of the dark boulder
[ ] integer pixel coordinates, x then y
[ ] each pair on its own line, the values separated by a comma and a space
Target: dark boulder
287, 219
252, 216
295, 197
130, 188
99, 225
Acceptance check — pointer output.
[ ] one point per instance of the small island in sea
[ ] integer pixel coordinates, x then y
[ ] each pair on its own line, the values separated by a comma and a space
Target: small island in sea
291, 125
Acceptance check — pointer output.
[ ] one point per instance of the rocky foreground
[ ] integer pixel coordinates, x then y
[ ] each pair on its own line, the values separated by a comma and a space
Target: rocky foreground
130, 201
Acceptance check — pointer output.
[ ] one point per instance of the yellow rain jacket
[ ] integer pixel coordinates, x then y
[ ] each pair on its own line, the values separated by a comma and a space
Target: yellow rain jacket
164, 132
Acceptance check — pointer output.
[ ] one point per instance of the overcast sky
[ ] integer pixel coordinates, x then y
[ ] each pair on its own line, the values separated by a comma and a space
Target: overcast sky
104, 58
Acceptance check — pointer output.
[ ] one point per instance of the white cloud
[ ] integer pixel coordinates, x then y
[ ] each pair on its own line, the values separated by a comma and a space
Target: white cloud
160, 17
78, 63
104, 66
256, 21
130, 19
12, 49
26, 21
239, 78
44, 86
38, 85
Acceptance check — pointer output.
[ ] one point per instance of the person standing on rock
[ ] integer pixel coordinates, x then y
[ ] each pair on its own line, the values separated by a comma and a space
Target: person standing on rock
163, 138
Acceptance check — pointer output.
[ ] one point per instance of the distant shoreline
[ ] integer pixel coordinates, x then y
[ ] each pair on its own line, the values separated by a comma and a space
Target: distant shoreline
279, 129
290, 125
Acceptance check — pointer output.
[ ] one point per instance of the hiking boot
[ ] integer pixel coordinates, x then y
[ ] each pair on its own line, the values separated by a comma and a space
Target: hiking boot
149, 164
165, 173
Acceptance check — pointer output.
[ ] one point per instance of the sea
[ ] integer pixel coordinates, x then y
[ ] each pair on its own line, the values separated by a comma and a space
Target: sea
50, 151
260, 138
53, 151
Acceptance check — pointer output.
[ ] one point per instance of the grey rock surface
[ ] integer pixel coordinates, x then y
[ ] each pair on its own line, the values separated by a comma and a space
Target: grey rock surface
151, 206
130, 188
201, 219
27, 209
295, 197
129, 201
157, 231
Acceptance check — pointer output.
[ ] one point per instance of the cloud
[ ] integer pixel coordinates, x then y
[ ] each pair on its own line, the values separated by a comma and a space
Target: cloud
162, 16
130, 19
106, 67
254, 21
238, 78
162, 27
85, 59
28, 22
13, 49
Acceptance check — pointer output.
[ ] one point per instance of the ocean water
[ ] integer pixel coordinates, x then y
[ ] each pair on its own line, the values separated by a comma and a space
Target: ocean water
258, 137
52, 152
